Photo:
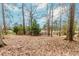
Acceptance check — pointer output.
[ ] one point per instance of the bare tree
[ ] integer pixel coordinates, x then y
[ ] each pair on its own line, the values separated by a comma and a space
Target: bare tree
70, 32
32, 13
51, 19
23, 18
61, 12
1, 37
48, 21
60, 21
4, 23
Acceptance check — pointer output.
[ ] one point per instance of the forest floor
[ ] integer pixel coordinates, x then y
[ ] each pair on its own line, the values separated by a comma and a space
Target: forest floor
23, 45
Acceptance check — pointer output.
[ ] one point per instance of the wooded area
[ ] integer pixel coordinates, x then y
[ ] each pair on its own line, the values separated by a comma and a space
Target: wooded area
56, 37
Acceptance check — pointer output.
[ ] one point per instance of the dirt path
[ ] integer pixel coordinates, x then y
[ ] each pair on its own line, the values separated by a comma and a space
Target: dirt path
41, 45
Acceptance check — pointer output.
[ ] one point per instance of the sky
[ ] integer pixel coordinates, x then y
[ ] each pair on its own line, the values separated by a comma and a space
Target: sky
13, 13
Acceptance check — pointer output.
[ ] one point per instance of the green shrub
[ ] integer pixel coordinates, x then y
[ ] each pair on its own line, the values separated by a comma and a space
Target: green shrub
34, 29
15, 29
18, 29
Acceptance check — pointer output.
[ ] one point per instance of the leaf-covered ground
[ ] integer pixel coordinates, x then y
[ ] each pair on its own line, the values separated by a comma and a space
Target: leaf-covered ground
23, 45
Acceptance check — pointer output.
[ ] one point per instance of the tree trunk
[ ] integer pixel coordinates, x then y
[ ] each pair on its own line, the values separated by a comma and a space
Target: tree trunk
48, 27
60, 25
52, 21
51, 29
1, 41
48, 21
23, 19
60, 19
31, 18
4, 19
70, 32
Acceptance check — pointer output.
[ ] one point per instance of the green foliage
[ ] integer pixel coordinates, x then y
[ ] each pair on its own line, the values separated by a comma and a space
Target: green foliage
18, 29
15, 29
34, 29
10, 31
64, 28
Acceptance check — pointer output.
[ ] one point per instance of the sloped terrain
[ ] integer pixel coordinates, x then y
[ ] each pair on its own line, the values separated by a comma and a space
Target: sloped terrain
22, 45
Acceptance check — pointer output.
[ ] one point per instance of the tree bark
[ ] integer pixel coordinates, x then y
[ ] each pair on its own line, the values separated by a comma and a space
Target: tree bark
4, 23
60, 22
48, 28
48, 21
2, 43
52, 20
70, 32
1, 37
23, 19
